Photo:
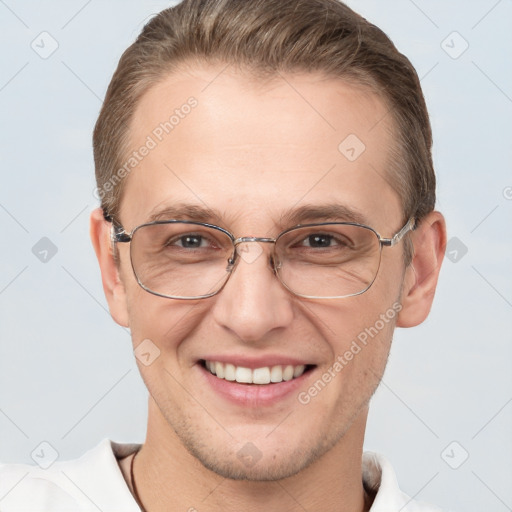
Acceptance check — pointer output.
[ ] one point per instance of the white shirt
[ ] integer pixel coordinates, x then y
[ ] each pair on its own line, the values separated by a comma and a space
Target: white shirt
95, 482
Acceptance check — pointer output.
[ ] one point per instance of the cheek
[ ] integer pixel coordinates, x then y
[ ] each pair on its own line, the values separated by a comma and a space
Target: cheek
165, 321
158, 328
364, 346
358, 331
377, 312
164, 325
371, 315
151, 317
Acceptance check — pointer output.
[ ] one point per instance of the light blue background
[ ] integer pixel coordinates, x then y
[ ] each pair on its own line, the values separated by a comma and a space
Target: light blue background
67, 372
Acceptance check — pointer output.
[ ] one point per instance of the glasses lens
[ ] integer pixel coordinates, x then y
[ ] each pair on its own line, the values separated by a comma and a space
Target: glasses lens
333, 260
182, 260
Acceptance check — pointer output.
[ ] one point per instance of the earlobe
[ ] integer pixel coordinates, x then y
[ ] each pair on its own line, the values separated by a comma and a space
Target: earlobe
112, 283
429, 241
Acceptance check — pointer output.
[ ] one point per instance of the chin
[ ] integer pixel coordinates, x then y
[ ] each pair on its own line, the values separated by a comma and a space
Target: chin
263, 460
249, 464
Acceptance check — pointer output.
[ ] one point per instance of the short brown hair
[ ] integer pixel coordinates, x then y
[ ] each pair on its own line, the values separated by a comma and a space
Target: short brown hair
267, 37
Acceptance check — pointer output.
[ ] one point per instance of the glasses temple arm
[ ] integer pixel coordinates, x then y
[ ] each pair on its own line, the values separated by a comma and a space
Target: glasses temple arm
118, 234
409, 226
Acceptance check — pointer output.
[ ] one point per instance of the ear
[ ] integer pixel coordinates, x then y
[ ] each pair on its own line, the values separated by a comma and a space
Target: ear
429, 241
112, 285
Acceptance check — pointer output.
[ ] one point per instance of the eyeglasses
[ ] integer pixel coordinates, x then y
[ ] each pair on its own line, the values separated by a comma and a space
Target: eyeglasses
181, 259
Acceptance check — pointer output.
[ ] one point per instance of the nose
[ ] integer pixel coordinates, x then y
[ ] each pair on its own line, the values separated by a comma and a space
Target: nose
253, 302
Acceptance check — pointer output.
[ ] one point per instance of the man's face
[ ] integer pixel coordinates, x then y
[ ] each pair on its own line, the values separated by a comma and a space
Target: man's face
254, 153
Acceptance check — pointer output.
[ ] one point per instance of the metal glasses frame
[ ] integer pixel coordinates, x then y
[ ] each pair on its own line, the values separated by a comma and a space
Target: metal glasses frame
119, 235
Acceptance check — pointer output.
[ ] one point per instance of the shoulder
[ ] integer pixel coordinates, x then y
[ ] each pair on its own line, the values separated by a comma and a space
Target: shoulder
91, 482
379, 477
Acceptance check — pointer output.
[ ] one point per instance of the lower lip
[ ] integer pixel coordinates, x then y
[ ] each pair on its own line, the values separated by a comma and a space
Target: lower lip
254, 395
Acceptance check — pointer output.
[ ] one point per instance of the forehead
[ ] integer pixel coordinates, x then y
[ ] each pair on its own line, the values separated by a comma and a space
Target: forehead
244, 148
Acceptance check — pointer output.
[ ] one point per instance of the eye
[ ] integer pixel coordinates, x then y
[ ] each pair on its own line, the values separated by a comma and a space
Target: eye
318, 240
190, 241
322, 241
194, 241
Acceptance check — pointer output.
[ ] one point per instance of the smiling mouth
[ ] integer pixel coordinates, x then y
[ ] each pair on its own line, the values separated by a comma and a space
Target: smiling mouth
264, 375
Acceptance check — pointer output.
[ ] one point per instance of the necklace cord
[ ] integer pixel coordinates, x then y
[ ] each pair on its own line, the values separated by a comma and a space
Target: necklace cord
134, 486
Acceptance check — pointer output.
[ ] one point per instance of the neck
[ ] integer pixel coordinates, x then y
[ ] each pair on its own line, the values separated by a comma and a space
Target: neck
169, 478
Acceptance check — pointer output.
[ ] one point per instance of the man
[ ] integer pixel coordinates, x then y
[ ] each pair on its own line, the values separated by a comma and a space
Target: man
266, 221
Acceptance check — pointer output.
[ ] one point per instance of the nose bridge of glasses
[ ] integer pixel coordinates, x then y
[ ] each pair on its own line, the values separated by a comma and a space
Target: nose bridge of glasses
249, 251
245, 239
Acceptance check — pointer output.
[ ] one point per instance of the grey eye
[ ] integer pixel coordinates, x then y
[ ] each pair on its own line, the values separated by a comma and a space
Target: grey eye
191, 241
319, 240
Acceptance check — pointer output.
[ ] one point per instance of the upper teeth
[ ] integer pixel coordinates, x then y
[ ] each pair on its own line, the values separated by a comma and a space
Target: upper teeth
263, 375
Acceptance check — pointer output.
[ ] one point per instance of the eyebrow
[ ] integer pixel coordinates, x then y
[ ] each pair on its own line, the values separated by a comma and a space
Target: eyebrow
186, 212
322, 213
294, 216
